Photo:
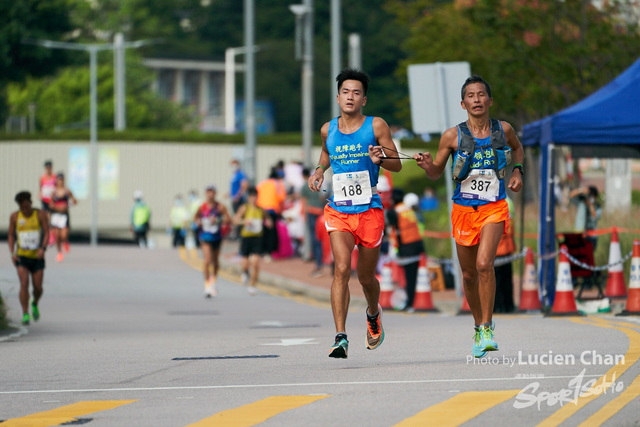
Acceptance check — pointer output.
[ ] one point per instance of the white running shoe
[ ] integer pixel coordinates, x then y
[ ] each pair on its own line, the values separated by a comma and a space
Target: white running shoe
252, 290
244, 277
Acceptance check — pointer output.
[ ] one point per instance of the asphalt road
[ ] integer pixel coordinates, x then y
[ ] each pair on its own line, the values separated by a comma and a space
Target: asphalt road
115, 318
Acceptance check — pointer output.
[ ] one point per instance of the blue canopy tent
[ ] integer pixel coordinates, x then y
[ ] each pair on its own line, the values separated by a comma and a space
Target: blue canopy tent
606, 124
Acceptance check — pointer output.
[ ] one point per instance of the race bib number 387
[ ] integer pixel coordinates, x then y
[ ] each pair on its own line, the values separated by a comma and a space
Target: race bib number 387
481, 184
352, 188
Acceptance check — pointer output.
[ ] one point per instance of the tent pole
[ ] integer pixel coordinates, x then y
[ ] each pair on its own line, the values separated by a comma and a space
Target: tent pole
522, 210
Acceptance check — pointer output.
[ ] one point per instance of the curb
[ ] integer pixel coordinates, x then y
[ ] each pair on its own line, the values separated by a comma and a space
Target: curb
21, 331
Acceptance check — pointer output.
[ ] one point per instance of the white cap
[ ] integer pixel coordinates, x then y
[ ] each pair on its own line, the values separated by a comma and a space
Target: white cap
137, 195
383, 183
411, 199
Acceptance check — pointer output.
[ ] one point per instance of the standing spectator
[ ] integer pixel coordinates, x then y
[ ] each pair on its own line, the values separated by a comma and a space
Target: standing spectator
411, 200
271, 195
140, 219
252, 219
194, 204
294, 217
429, 202
314, 207
59, 207
239, 185
293, 176
408, 239
589, 211
504, 273
179, 220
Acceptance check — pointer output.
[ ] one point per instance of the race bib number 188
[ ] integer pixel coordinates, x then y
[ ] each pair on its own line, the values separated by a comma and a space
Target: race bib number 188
352, 188
481, 184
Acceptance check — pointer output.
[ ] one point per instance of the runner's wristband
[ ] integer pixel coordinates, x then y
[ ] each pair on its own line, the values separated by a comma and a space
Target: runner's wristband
518, 166
320, 166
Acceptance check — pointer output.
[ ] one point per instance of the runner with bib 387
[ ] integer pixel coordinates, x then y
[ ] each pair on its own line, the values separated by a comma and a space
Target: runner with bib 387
355, 146
481, 149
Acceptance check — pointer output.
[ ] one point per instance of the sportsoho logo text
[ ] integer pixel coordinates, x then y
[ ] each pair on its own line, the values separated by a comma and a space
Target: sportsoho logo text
577, 388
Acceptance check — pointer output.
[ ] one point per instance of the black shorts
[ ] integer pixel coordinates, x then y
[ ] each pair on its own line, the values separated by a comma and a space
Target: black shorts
214, 244
31, 264
251, 246
45, 206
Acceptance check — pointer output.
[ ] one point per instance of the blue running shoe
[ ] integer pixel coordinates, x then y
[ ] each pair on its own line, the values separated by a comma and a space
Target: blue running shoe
478, 349
488, 342
340, 349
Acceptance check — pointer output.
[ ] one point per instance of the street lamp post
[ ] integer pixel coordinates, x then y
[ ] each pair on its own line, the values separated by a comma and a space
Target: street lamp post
93, 50
250, 91
119, 92
304, 15
336, 53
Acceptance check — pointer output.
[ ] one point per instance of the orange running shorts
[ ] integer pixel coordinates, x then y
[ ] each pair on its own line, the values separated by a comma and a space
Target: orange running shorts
467, 222
367, 227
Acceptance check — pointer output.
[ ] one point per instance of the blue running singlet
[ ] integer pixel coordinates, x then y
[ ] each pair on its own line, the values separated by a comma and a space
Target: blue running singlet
349, 153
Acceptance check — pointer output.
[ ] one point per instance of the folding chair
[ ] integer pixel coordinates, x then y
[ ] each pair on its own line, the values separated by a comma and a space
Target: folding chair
582, 249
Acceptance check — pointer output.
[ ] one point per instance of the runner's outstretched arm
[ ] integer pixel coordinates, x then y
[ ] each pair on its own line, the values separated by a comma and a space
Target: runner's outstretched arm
316, 180
434, 168
517, 154
378, 153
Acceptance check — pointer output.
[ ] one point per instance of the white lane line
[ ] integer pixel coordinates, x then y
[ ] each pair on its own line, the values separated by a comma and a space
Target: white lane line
21, 331
213, 387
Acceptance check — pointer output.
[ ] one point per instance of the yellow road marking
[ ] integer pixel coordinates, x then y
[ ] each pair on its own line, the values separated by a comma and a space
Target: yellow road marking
459, 409
257, 412
631, 357
192, 259
613, 407
64, 414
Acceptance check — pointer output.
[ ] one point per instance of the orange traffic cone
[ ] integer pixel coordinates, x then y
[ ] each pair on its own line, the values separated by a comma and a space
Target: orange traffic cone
529, 299
633, 301
386, 287
564, 303
397, 275
615, 282
465, 309
422, 300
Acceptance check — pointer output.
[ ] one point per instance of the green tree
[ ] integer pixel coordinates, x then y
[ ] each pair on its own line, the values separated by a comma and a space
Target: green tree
20, 19
203, 29
539, 55
64, 99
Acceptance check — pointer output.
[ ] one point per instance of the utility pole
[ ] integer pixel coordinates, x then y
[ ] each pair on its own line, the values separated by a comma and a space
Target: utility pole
307, 85
119, 73
336, 53
250, 92
93, 50
304, 51
355, 51
230, 86
119, 116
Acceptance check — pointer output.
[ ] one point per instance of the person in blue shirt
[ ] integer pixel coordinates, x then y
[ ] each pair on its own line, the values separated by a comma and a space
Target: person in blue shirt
355, 147
481, 149
238, 191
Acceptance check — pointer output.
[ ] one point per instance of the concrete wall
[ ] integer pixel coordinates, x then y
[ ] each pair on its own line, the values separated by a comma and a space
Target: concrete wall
160, 170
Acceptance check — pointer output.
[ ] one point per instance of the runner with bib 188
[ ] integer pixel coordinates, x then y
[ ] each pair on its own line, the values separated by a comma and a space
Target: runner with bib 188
355, 146
481, 150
